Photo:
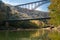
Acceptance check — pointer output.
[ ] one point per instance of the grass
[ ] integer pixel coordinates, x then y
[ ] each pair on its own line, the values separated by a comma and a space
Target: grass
54, 35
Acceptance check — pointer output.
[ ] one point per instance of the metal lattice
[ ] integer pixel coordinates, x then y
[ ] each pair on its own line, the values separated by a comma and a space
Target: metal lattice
33, 5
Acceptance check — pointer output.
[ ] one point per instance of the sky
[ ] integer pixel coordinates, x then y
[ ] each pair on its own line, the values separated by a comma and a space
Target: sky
17, 2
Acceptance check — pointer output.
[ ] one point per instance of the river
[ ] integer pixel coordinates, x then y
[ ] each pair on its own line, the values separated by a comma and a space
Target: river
36, 34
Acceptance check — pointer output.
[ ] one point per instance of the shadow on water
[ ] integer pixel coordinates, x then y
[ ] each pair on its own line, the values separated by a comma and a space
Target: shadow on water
16, 35
24, 35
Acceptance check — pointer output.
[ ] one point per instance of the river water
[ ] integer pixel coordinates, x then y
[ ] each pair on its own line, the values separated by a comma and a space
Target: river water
38, 34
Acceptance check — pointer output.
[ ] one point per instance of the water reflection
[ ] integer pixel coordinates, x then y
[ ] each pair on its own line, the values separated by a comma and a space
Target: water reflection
38, 34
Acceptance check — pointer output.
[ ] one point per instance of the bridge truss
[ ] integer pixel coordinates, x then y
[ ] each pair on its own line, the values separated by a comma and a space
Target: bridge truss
33, 5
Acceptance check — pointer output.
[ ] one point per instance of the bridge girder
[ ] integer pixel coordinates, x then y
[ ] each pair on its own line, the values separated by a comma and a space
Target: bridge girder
33, 5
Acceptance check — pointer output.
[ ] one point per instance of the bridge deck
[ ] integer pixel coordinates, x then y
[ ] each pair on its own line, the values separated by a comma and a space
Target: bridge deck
28, 19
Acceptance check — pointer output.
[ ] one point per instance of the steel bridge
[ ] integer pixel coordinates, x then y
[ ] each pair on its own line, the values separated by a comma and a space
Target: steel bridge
32, 6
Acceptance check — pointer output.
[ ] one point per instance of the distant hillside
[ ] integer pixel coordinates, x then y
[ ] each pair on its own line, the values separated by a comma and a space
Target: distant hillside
23, 13
32, 14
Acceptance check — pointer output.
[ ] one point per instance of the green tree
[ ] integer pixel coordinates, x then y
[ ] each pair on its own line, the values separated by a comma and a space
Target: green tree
23, 24
55, 12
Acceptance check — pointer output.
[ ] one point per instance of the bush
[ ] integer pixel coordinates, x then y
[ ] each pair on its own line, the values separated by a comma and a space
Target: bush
23, 24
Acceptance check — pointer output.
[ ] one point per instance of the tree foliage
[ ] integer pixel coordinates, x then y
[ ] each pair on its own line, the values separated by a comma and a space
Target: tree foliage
55, 12
23, 24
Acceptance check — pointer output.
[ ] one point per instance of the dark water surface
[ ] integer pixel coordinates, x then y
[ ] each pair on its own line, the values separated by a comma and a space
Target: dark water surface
26, 35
